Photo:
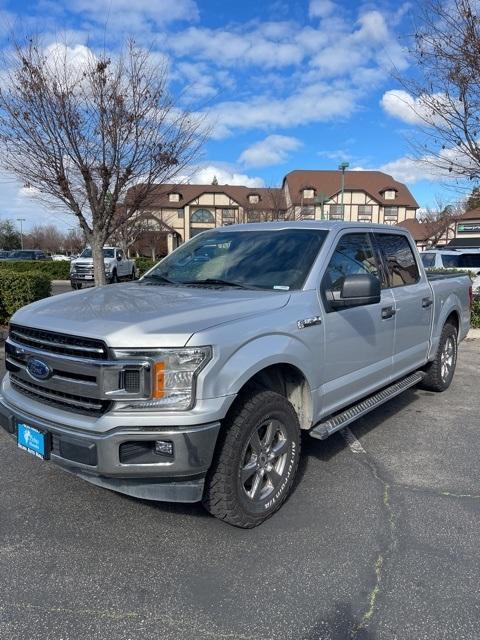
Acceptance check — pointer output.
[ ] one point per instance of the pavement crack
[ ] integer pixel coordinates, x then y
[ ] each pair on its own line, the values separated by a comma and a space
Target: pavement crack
389, 547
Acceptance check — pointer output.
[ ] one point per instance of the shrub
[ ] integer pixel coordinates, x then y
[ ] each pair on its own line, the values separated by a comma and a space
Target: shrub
475, 318
144, 264
55, 270
19, 289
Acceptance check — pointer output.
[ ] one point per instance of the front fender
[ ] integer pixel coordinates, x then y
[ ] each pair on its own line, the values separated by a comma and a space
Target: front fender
257, 354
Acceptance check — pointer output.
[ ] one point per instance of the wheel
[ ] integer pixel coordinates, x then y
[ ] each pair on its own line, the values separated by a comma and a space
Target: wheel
76, 285
256, 460
132, 275
440, 371
114, 278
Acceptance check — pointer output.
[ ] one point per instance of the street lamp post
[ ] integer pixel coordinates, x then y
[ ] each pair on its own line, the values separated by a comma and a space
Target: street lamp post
342, 167
21, 220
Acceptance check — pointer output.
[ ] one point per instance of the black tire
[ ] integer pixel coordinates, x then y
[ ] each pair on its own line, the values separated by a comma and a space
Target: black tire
76, 285
440, 372
114, 278
247, 501
132, 275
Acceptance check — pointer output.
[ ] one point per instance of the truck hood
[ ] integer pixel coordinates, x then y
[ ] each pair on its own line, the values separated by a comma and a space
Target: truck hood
141, 315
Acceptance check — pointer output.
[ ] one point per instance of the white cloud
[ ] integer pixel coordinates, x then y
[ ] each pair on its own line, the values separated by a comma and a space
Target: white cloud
224, 175
321, 8
134, 16
76, 56
17, 201
403, 106
227, 47
272, 150
315, 103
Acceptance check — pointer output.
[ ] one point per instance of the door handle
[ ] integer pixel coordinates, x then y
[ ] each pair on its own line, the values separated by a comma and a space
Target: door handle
388, 312
427, 302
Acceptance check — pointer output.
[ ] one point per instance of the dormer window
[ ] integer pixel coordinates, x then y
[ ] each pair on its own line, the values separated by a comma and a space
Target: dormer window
254, 198
390, 194
309, 193
174, 197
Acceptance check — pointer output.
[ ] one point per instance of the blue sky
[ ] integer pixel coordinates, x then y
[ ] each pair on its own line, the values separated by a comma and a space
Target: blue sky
284, 84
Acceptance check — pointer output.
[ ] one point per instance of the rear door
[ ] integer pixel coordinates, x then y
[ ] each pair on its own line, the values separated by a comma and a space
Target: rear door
413, 302
358, 340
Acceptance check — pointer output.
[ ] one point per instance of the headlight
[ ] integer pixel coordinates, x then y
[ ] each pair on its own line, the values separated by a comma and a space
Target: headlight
174, 373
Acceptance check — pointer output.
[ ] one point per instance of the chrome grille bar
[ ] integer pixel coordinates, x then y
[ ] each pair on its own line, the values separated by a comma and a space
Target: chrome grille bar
16, 334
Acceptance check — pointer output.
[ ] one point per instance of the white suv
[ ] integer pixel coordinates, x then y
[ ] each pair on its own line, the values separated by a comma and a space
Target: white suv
458, 260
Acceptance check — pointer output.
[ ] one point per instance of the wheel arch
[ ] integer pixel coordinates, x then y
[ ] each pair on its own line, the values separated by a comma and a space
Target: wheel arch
287, 380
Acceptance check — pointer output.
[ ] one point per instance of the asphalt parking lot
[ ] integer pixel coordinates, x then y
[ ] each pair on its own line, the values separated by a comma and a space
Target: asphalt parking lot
380, 540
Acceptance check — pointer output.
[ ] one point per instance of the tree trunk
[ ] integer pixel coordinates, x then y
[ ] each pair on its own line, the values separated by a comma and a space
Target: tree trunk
98, 262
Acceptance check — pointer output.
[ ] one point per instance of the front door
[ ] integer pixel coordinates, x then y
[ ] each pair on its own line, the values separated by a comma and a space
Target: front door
413, 303
358, 340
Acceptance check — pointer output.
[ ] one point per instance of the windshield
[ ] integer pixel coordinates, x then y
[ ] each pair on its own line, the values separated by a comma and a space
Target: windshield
107, 253
269, 259
428, 259
461, 260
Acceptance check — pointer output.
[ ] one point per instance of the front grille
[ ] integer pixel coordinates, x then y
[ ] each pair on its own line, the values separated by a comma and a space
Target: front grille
66, 401
59, 343
83, 268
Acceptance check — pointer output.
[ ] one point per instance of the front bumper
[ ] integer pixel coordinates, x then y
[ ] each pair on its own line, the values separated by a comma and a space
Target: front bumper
122, 458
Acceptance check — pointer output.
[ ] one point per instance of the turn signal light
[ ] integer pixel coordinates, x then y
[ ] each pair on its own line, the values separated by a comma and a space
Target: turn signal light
158, 380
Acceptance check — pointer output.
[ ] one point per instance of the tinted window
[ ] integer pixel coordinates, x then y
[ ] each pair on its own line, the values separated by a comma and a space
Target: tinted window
258, 259
461, 261
428, 260
354, 255
399, 258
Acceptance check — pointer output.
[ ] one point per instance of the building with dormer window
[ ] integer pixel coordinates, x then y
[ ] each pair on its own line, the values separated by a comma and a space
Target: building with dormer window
184, 210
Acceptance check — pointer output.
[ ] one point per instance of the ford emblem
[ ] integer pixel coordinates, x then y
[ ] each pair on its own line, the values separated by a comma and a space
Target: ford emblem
38, 369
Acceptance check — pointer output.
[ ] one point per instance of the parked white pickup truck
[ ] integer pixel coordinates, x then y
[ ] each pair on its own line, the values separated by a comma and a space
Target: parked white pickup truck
117, 267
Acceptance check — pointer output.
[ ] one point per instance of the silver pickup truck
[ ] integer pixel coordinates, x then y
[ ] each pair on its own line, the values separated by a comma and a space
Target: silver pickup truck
195, 382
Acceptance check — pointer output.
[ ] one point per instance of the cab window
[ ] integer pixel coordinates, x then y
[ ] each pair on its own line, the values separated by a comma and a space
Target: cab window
402, 268
353, 255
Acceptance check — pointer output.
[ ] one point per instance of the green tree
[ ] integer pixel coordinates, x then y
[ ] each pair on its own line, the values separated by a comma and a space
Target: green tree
9, 236
473, 200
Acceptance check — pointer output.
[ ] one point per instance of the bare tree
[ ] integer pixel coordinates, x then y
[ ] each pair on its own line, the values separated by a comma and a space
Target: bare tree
440, 219
446, 86
82, 134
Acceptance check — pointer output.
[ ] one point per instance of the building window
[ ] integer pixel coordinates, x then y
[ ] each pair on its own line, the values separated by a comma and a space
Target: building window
202, 215
307, 213
254, 216
181, 214
390, 214
254, 198
390, 194
336, 212
228, 216
308, 193
365, 212
174, 197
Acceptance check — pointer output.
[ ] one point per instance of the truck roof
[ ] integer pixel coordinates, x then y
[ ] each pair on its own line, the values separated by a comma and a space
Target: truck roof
326, 225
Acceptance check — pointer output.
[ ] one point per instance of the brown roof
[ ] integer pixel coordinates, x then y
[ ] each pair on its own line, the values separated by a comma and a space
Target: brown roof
374, 183
473, 214
419, 230
270, 198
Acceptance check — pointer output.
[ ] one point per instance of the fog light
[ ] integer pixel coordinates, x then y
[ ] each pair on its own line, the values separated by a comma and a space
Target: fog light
164, 447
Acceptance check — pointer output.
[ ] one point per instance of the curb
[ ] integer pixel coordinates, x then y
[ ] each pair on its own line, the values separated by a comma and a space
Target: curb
60, 281
473, 334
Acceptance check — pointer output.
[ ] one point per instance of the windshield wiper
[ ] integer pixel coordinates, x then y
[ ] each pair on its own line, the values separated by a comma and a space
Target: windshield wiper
157, 276
218, 281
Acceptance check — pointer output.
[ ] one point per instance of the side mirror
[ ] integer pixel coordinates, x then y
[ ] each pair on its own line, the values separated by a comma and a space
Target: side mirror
119, 256
357, 290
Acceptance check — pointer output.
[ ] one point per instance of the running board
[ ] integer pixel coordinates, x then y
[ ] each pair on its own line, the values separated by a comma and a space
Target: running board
324, 429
